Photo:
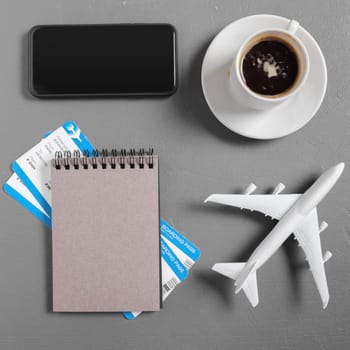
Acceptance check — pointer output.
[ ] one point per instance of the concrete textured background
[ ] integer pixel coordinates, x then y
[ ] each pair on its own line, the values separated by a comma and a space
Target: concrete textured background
198, 157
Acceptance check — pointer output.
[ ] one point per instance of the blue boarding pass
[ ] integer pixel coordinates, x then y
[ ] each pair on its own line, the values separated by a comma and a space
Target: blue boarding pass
184, 249
186, 253
33, 167
15, 188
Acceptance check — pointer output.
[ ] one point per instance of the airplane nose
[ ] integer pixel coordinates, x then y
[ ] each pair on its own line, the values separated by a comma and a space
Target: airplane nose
335, 171
340, 168
320, 188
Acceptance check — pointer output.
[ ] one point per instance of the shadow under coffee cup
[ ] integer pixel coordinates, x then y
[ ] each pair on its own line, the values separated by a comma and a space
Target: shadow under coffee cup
271, 66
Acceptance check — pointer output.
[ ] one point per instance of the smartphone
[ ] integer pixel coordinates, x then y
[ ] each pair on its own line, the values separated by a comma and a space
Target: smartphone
102, 60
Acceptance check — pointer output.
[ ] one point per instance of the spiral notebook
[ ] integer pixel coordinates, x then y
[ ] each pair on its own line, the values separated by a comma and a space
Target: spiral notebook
105, 232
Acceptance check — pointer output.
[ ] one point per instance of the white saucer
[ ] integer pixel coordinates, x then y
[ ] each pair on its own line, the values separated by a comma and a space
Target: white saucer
273, 123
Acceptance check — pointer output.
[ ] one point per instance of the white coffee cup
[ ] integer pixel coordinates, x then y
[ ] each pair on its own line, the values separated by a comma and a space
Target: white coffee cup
247, 97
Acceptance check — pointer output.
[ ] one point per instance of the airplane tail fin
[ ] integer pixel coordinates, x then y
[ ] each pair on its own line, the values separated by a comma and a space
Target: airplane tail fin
247, 282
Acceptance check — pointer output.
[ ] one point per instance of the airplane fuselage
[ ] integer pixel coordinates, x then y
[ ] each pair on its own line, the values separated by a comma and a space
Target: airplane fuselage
273, 241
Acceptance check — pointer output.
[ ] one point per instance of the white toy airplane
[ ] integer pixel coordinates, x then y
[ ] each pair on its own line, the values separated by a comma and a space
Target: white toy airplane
297, 214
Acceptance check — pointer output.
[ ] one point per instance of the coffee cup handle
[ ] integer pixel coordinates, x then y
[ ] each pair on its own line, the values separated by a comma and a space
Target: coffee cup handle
293, 26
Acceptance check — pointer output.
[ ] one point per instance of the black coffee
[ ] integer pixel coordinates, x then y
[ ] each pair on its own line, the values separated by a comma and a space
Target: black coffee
270, 67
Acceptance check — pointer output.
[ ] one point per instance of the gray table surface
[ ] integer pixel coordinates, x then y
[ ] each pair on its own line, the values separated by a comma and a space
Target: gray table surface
198, 157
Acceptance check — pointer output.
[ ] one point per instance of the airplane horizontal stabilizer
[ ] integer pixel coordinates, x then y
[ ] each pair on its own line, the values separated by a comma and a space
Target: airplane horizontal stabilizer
232, 270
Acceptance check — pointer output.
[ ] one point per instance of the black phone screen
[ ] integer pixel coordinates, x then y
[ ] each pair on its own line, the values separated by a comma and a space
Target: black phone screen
123, 59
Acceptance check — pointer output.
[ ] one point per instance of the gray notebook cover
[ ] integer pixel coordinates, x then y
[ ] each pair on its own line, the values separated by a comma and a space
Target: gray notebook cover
105, 238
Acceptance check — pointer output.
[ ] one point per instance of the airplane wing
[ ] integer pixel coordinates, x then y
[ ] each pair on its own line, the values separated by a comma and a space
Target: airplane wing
308, 236
269, 204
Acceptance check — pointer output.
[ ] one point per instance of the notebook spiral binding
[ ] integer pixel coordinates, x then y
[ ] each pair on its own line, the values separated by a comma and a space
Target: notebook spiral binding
104, 158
